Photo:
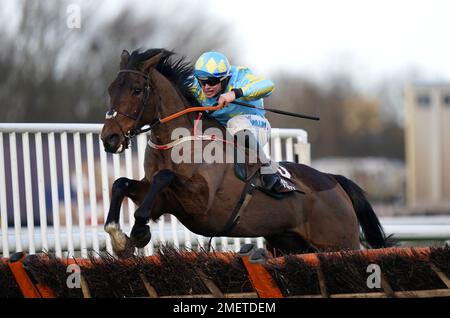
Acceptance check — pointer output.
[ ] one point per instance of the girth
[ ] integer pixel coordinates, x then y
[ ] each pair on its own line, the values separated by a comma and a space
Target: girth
244, 200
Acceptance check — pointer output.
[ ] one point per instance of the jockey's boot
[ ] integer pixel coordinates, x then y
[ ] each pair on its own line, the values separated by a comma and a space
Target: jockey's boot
270, 180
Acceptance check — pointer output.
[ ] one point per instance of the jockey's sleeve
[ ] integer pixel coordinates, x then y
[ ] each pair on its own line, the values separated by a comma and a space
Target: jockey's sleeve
196, 89
255, 87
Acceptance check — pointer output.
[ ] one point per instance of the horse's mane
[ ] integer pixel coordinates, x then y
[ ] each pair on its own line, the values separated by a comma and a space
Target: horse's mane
178, 71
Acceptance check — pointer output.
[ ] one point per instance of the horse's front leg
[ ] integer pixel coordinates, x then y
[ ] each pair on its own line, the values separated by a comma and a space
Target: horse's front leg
140, 234
122, 187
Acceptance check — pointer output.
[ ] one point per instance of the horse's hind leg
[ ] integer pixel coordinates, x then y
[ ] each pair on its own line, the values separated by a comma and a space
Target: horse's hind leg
288, 243
121, 188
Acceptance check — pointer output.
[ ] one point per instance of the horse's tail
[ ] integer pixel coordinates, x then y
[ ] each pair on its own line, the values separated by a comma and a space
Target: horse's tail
370, 224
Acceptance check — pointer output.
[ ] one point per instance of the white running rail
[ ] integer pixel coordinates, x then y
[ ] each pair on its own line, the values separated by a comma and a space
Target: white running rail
55, 184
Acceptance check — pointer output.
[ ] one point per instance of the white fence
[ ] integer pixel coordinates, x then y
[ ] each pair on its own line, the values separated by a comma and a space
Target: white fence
55, 184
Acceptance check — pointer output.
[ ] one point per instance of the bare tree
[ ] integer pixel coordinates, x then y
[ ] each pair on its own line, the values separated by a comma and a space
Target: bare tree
351, 124
51, 73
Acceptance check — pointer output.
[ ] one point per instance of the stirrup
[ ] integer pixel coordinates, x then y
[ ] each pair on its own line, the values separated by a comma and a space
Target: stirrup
281, 186
274, 183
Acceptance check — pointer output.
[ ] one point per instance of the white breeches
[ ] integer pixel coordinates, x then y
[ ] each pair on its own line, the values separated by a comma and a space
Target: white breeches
259, 126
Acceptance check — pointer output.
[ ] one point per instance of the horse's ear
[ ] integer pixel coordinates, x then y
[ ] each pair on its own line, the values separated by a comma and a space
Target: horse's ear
152, 62
124, 57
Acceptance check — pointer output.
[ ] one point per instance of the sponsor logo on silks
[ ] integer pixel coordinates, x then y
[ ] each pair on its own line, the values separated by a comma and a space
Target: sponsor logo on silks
258, 123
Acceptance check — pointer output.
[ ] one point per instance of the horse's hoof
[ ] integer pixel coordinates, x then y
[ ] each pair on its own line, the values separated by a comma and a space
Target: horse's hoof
120, 241
140, 235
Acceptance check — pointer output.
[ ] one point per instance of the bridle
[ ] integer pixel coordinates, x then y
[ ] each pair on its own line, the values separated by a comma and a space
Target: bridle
112, 113
128, 135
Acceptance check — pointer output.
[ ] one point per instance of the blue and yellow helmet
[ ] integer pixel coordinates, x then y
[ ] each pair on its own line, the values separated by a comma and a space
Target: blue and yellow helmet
212, 64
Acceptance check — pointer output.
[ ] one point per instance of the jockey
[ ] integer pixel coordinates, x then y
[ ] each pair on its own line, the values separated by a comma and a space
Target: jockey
219, 83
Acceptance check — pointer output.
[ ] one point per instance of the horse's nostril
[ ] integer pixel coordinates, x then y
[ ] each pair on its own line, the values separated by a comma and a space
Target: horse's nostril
111, 142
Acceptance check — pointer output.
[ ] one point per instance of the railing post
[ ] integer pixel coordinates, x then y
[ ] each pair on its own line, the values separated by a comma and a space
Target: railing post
54, 193
303, 151
3, 205
92, 191
15, 191
67, 192
41, 190
80, 194
105, 190
28, 192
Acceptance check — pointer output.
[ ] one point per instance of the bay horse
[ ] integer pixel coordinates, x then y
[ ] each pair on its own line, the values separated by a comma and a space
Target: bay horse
150, 85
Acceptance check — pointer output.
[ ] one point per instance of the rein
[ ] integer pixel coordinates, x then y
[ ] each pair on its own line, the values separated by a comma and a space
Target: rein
188, 138
112, 114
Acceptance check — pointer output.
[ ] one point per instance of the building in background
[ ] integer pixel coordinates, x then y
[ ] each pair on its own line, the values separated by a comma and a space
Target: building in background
427, 133
383, 179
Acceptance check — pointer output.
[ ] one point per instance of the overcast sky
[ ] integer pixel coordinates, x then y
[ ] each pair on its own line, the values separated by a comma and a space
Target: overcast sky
375, 38
369, 39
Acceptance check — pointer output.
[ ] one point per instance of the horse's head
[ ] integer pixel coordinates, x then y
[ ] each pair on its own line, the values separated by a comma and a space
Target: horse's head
133, 99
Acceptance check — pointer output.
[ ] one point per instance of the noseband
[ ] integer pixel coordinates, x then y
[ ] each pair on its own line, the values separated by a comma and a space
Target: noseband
112, 114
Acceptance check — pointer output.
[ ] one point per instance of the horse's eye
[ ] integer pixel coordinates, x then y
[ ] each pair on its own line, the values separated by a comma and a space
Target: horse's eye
137, 91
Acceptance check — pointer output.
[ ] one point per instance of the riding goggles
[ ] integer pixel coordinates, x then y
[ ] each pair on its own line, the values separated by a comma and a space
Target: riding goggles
211, 81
